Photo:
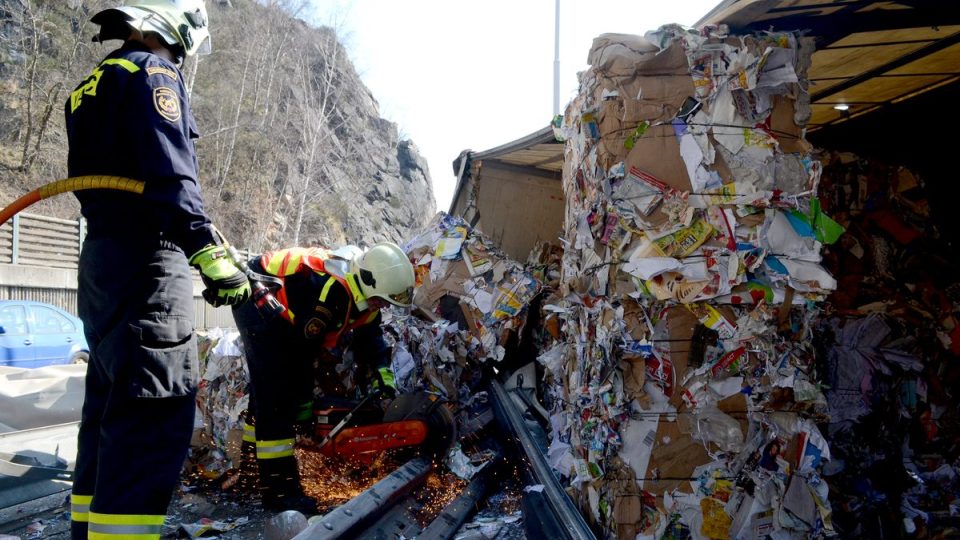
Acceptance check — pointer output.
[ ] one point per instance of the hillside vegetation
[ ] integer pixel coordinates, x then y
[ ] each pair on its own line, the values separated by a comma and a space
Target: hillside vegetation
293, 149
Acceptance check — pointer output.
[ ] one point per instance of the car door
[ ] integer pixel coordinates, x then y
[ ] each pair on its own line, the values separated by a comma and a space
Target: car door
16, 343
53, 335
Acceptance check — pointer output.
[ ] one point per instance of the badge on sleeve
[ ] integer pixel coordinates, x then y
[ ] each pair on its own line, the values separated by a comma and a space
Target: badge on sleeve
167, 103
314, 328
153, 70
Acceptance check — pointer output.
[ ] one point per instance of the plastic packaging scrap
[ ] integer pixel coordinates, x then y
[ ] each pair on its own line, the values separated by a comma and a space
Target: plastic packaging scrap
463, 465
285, 525
491, 527
677, 354
210, 526
478, 297
499, 518
35, 529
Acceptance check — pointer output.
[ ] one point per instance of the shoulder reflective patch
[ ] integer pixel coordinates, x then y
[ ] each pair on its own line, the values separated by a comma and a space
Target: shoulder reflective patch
87, 88
314, 328
167, 103
122, 62
153, 70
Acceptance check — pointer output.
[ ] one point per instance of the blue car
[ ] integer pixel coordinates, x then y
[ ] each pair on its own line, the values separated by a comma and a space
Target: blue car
34, 334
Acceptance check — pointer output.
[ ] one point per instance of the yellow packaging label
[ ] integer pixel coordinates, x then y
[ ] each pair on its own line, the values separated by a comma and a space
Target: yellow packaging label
725, 195
716, 522
685, 241
712, 319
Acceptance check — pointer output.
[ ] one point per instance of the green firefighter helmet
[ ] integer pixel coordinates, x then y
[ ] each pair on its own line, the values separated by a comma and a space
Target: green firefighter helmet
385, 272
182, 24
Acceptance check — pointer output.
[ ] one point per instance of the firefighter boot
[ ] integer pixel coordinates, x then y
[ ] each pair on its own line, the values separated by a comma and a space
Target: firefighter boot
280, 487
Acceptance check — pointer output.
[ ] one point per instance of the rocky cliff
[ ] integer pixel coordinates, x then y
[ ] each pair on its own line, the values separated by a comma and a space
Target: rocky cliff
293, 151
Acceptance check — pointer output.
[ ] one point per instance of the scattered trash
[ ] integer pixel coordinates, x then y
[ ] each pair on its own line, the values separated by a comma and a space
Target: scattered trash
460, 464
206, 525
285, 525
35, 529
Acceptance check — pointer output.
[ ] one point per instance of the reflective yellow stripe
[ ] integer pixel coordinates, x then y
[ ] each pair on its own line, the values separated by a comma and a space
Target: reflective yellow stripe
126, 519
132, 526
274, 449
125, 64
127, 532
89, 88
326, 289
249, 433
284, 262
276, 442
291, 263
358, 296
388, 379
80, 507
274, 455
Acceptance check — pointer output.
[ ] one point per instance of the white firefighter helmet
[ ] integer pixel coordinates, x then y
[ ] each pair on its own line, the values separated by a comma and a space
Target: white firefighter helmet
385, 271
182, 24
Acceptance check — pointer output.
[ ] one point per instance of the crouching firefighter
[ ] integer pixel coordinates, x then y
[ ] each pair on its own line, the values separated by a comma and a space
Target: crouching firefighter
321, 297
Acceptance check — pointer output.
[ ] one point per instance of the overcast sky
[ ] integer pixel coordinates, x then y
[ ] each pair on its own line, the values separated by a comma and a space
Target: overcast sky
457, 74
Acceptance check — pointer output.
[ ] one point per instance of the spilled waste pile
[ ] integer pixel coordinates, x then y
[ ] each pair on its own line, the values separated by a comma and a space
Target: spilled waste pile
471, 301
685, 395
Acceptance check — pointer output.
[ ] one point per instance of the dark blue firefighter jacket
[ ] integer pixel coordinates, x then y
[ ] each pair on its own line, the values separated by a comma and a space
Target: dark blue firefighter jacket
131, 118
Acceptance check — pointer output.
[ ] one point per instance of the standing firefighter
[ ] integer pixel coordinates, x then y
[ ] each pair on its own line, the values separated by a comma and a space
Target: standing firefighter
325, 295
131, 118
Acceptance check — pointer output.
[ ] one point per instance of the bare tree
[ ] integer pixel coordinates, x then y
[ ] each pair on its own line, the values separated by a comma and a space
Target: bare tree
318, 92
49, 53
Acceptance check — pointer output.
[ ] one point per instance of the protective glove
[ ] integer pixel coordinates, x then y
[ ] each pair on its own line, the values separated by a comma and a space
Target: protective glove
385, 382
225, 284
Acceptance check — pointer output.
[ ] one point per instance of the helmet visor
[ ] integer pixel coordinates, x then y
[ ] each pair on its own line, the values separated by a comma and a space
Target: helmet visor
204, 47
403, 299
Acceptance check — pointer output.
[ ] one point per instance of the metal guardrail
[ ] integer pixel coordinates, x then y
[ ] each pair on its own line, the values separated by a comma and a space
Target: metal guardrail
567, 523
36, 240
347, 520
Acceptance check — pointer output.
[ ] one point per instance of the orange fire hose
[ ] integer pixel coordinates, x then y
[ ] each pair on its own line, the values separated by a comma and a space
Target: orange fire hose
262, 296
70, 184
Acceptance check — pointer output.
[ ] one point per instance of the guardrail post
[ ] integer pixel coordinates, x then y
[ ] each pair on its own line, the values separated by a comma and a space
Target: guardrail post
15, 245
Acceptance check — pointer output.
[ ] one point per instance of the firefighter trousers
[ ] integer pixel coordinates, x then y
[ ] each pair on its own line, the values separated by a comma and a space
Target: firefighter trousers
135, 297
281, 379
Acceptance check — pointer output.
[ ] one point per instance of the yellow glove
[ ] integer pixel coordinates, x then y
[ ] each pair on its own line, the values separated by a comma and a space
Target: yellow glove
385, 381
226, 284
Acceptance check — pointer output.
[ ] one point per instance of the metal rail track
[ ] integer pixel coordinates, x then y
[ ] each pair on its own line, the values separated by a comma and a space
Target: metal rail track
549, 514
